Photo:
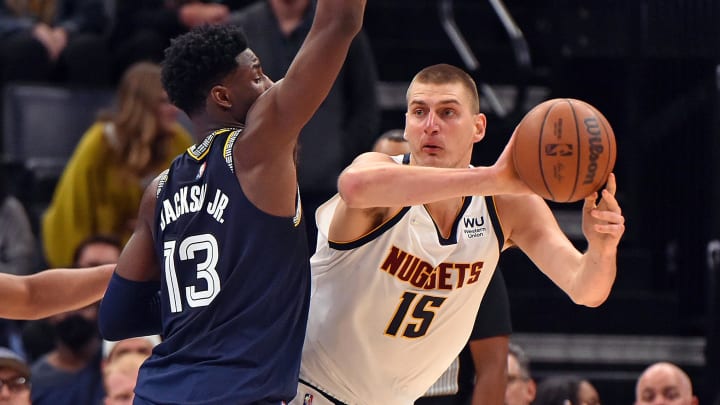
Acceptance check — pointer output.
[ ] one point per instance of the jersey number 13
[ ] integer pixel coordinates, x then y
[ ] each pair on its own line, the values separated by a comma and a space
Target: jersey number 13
205, 270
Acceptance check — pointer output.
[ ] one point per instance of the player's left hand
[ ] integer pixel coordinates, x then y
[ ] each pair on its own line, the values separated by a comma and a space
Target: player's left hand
603, 223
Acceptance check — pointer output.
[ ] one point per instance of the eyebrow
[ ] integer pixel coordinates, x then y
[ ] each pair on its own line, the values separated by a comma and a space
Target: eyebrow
441, 102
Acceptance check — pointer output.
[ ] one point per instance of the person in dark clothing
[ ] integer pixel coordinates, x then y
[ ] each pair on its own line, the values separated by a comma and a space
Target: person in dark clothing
346, 124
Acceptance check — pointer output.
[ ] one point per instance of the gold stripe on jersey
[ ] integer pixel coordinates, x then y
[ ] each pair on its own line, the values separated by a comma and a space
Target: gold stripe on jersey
161, 182
298, 210
228, 148
198, 152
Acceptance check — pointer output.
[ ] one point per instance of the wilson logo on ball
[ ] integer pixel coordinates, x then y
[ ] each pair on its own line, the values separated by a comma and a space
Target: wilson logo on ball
596, 148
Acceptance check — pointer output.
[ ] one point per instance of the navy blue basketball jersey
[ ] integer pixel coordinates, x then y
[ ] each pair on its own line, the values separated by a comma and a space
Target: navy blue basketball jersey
235, 288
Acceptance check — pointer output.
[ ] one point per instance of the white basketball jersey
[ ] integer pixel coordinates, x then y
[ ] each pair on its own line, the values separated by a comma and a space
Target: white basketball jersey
390, 311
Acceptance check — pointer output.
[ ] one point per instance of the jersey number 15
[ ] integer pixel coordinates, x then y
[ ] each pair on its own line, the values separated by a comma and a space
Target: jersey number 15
422, 312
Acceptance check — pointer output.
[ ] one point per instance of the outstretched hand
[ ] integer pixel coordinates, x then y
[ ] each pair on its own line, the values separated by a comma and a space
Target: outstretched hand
603, 223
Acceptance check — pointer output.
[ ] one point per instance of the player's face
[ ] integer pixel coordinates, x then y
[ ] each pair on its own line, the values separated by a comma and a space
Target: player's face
663, 386
440, 125
246, 83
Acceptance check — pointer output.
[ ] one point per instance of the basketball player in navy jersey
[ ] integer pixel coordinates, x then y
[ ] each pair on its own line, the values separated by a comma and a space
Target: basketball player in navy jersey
407, 250
221, 234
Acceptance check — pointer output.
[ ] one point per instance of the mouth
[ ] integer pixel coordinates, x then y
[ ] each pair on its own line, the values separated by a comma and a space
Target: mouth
431, 149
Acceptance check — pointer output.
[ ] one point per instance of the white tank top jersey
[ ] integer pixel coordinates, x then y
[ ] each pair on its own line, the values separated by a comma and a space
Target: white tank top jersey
390, 311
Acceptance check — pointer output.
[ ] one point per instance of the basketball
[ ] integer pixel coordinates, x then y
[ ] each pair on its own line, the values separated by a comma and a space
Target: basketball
564, 149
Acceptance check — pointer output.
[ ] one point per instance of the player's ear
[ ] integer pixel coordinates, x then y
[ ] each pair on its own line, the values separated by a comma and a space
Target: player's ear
479, 124
219, 95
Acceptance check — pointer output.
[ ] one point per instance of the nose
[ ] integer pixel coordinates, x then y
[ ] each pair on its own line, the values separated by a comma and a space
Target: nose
431, 124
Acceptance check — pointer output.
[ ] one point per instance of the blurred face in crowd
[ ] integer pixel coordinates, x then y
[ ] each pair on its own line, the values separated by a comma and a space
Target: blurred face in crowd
97, 254
167, 113
587, 394
120, 376
140, 345
666, 384
391, 147
15, 389
520, 387
120, 389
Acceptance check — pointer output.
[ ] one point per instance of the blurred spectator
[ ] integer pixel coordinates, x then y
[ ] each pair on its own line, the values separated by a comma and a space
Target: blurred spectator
120, 377
392, 142
520, 385
144, 28
101, 187
18, 249
347, 122
14, 379
665, 383
121, 363
71, 372
54, 41
566, 390
142, 345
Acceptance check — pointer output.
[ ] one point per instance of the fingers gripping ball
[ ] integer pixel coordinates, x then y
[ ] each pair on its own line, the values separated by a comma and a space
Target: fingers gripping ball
564, 149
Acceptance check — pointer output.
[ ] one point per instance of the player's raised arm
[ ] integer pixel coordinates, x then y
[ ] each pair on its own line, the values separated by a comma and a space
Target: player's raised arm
51, 291
287, 106
264, 156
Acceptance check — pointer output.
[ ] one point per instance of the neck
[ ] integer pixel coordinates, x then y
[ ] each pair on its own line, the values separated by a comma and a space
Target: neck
204, 125
444, 213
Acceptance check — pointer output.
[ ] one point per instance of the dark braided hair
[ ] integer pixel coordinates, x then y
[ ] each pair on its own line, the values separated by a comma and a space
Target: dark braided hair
198, 60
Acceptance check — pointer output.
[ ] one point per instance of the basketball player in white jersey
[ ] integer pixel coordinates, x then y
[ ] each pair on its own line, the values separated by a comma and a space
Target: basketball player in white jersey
479, 369
407, 249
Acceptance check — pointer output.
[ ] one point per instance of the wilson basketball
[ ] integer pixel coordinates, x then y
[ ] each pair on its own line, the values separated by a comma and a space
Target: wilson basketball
564, 149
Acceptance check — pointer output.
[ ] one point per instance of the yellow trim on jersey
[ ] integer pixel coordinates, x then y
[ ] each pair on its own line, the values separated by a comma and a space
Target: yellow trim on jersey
298, 210
204, 146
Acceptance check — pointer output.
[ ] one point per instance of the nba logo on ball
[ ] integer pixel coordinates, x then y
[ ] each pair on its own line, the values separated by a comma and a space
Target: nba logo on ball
564, 149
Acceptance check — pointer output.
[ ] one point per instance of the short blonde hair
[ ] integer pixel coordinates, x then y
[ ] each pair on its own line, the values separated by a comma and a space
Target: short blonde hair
446, 74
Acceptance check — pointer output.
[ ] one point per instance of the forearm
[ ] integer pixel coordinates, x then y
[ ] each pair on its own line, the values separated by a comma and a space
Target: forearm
489, 388
393, 185
54, 291
595, 278
490, 361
